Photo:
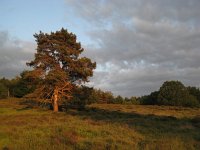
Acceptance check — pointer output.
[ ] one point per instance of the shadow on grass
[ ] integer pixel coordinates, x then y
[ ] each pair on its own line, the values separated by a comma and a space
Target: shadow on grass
29, 104
24, 108
150, 125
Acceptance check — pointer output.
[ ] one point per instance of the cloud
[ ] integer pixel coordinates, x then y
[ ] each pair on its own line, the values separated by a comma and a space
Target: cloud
139, 44
14, 55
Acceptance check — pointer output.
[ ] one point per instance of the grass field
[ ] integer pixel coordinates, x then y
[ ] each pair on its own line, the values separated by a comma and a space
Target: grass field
100, 126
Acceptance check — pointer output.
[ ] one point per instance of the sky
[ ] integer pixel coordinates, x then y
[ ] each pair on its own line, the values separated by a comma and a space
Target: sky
137, 44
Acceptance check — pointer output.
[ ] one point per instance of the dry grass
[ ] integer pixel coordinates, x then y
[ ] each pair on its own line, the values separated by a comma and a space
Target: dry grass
173, 111
99, 127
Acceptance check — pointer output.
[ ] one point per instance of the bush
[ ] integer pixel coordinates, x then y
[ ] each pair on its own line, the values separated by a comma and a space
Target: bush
118, 100
134, 100
194, 92
191, 101
151, 99
81, 97
174, 93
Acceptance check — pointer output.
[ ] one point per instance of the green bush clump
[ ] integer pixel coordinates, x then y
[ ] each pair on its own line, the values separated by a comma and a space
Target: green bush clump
176, 94
173, 93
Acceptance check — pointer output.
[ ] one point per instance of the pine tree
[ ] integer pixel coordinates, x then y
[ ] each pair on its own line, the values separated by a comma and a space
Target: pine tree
58, 66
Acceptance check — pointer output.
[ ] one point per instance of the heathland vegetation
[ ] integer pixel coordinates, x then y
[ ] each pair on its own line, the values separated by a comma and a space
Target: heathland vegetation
88, 118
98, 126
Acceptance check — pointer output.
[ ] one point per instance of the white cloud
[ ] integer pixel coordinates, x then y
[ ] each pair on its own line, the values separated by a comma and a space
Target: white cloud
14, 55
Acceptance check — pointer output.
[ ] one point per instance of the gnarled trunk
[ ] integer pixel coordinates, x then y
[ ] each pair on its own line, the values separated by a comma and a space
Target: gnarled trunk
55, 100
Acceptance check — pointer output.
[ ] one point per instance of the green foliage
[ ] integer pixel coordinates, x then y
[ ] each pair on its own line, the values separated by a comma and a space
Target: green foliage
134, 100
17, 87
150, 99
59, 52
99, 96
126, 100
176, 94
104, 96
58, 66
5, 82
23, 85
81, 97
20, 90
118, 100
194, 92
3, 91
173, 93
4, 88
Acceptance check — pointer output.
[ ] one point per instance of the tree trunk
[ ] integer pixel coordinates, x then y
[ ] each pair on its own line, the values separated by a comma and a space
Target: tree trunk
55, 100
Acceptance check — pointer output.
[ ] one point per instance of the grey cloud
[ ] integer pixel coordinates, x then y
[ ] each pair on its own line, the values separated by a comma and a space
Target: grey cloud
139, 44
13, 55
100, 11
179, 48
140, 81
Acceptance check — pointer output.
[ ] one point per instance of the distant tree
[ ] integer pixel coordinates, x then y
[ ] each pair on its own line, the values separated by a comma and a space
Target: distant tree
58, 66
151, 99
107, 97
119, 100
134, 100
22, 85
194, 92
176, 94
3, 91
100, 96
126, 100
6, 83
81, 97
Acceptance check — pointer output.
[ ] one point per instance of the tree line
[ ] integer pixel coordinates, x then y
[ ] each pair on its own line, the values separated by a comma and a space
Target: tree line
21, 86
16, 87
171, 93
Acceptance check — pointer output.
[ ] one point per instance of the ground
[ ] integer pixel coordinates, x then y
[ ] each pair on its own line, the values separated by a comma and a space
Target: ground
99, 126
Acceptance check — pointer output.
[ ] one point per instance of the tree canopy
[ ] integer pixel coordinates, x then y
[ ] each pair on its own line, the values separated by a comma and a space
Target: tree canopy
58, 65
176, 94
